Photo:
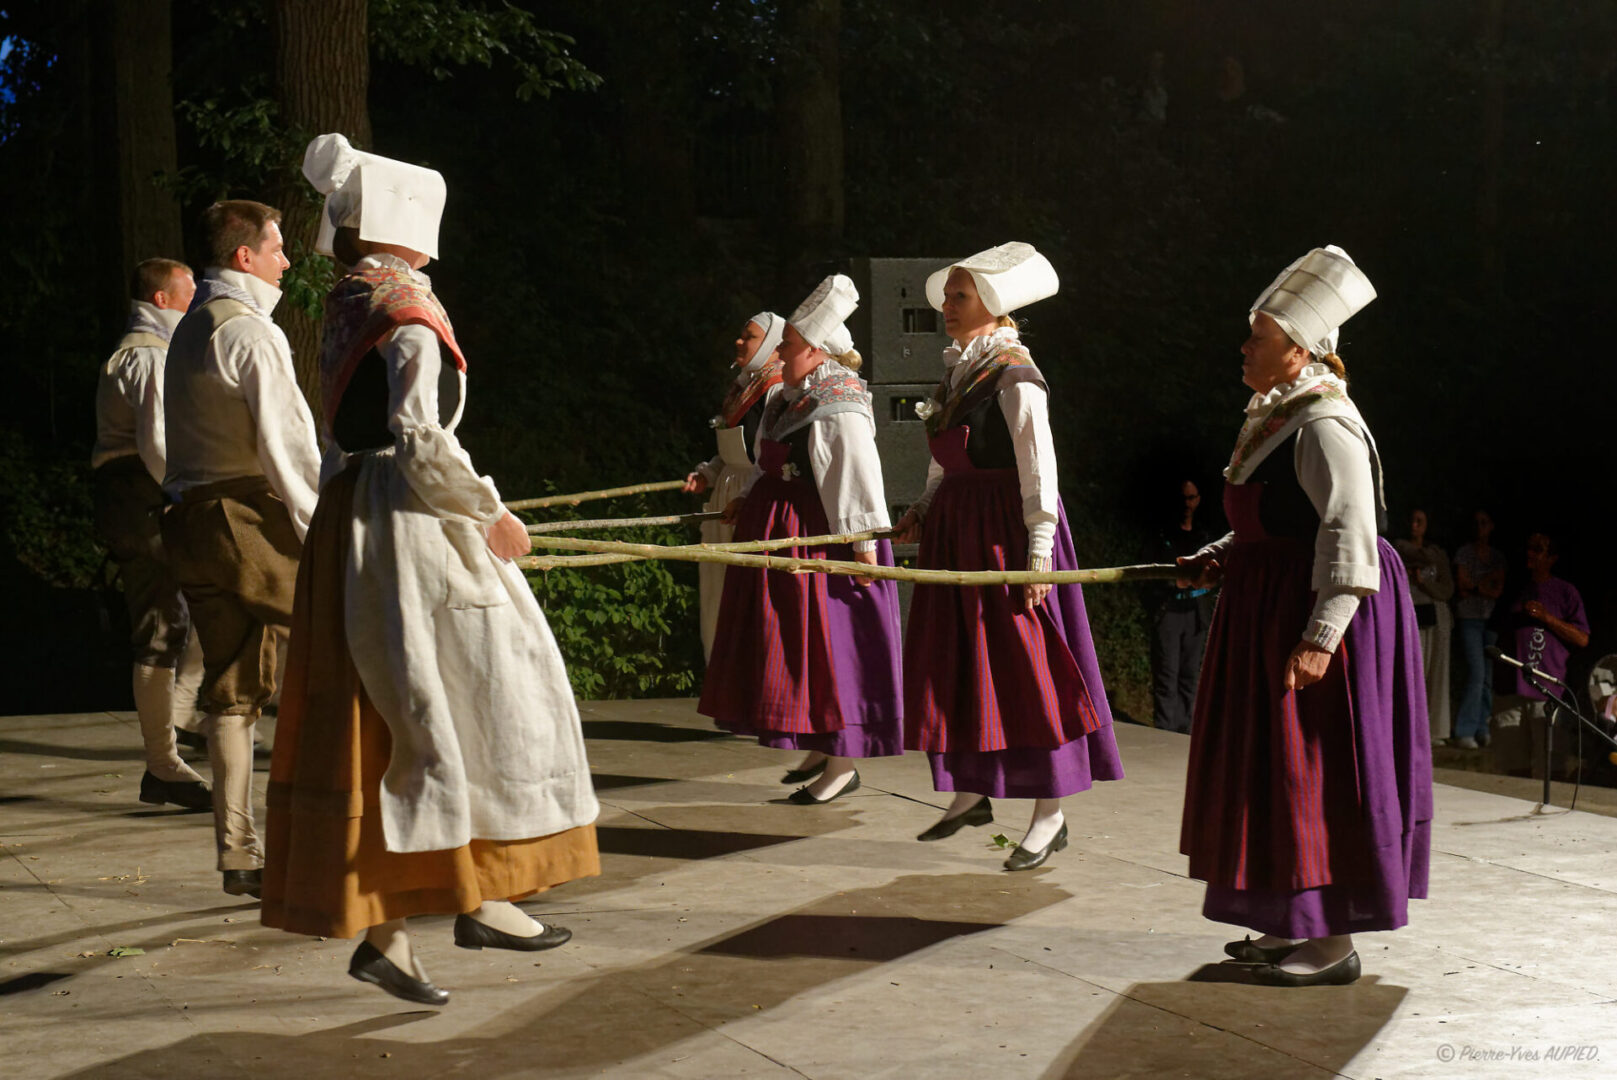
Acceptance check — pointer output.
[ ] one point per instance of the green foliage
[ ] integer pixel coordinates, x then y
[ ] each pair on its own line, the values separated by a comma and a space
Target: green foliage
432, 34
625, 630
46, 514
1117, 618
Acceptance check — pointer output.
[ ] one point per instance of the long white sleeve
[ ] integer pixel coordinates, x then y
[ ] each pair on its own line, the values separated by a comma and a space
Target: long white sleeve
1333, 467
1026, 406
255, 353
433, 462
934, 477
140, 378
847, 472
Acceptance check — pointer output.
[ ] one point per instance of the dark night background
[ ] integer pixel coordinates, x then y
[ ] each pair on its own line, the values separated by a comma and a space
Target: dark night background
604, 241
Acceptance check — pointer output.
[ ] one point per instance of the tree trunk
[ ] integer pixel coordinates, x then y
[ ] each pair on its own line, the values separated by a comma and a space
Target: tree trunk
143, 108
809, 114
322, 75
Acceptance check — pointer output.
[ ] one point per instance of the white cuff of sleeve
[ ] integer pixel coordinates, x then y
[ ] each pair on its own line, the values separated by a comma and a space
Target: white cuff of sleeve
1041, 539
1333, 610
864, 545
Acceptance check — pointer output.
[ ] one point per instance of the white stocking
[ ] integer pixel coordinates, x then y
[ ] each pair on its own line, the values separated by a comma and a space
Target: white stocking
838, 772
1047, 821
505, 916
154, 704
391, 940
963, 801
1316, 954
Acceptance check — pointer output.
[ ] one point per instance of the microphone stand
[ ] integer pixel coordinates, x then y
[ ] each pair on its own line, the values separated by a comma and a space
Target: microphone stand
1555, 703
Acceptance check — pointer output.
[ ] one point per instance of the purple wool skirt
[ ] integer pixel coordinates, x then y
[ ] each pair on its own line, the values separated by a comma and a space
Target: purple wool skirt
1008, 703
805, 661
1308, 812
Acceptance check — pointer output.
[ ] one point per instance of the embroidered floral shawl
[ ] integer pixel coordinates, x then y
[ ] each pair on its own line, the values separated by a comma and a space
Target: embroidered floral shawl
1316, 394
362, 309
829, 388
947, 402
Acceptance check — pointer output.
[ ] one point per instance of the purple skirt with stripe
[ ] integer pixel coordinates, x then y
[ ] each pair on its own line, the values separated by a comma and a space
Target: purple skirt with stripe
1008, 703
805, 661
1307, 812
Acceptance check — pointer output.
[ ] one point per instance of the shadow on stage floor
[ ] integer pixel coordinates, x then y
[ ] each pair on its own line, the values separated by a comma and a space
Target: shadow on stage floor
584, 1025
1240, 1030
645, 731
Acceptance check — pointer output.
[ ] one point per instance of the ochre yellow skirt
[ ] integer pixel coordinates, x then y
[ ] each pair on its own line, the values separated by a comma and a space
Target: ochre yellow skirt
327, 870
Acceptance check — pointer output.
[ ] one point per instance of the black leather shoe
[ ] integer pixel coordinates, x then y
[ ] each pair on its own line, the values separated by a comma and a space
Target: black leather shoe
981, 814
1341, 973
802, 797
1247, 951
187, 794
244, 882
1023, 859
369, 965
797, 776
471, 934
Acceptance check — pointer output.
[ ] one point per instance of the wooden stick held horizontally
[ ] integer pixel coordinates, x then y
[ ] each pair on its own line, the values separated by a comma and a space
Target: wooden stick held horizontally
710, 553
590, 496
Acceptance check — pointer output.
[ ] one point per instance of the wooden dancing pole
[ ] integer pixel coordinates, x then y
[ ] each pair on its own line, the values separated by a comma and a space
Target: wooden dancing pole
622, 523
590, 496
708, 553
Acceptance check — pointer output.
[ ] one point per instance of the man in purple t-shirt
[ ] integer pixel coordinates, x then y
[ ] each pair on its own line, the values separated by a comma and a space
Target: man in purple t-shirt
1546, 622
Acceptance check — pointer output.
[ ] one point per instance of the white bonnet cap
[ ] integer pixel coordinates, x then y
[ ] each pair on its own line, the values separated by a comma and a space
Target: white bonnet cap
838, 341
820, 316
388, 201
1314, 296
773, 327
1008, 277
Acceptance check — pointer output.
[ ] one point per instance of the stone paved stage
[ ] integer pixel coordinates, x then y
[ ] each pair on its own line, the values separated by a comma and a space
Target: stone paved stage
732, 936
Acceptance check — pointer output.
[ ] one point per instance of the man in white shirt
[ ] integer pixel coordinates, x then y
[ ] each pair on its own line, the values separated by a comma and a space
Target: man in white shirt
129, 464
243, 470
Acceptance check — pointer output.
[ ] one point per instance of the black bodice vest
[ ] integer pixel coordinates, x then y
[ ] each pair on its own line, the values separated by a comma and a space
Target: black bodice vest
1284, 509
361, 422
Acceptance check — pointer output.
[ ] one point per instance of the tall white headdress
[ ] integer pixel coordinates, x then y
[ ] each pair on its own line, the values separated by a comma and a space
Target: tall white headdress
820, 317
1314, 296
1008, 277
388, 201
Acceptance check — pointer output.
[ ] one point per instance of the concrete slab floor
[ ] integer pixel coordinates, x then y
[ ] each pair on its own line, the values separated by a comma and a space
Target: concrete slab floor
733, 936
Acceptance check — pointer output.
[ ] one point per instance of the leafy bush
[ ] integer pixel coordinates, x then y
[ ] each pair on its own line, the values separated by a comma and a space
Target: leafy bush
626, 629
45, 511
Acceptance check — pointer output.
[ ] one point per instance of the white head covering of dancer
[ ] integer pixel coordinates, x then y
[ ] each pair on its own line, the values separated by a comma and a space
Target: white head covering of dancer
1314, 296
388, 201
1008, 277
773, 327
819, 318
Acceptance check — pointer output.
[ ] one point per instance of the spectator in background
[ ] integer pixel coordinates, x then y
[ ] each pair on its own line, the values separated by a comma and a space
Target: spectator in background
1180, 619
1431, 583
1545, 623
1480, 577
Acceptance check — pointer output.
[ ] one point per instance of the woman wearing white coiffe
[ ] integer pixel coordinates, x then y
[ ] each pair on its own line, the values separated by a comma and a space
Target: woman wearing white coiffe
735, 426
415, 639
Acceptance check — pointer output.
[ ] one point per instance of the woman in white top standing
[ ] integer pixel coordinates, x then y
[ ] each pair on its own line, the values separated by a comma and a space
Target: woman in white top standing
428, 755
811, 661
1001, 684
735, 426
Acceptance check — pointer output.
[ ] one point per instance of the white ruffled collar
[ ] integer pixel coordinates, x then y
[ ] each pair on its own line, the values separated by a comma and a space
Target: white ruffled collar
1311, 376
379, 259
978, 347
823, 371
